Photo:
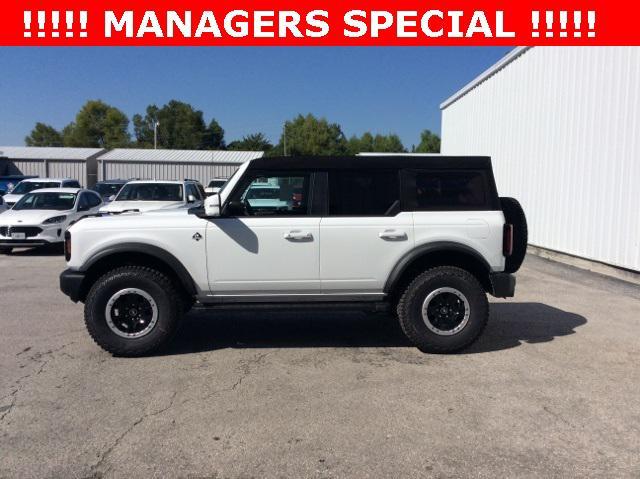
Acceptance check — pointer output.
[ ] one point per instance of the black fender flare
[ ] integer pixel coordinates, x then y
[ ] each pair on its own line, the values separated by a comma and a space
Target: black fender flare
430, 248
161, 254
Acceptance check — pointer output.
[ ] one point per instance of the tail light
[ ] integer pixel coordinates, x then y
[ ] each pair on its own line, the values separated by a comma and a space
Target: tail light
507, 239
67, 246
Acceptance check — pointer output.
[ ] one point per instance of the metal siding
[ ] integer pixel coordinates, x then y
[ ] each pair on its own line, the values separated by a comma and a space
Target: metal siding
180, 156
28, 167
561, 125
69, 169
165, 171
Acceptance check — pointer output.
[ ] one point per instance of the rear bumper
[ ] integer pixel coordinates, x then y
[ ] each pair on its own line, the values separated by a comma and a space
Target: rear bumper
71, 284
503, 285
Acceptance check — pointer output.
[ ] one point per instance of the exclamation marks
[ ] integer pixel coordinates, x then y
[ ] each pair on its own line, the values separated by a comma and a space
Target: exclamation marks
563, 17
69, 21
535, 22
41, 20
83, 24
591, 20
55, 21
27, 24
563, 24
549, 22
55, 17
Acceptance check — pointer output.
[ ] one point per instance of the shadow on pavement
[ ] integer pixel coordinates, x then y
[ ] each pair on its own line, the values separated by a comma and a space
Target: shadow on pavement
510, 325
48, 250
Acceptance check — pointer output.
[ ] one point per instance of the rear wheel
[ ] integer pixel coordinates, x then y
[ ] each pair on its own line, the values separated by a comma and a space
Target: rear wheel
443, 310
132, 311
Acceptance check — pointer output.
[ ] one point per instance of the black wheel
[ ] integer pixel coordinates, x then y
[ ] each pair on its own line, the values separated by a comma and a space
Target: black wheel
132, 311
443, 310
5, 249
514, 214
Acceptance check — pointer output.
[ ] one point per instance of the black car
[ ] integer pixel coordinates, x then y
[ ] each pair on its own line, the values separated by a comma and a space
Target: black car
108, 188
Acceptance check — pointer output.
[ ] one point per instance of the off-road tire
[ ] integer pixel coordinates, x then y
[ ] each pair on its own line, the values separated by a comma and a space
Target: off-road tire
409, 309
514, 214
158, 286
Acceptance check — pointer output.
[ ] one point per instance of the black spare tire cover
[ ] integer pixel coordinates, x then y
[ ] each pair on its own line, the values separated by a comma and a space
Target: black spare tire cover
514, 214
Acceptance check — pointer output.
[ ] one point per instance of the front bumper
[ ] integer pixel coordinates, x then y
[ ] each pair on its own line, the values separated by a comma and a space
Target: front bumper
503, 285
71, 284
35, 235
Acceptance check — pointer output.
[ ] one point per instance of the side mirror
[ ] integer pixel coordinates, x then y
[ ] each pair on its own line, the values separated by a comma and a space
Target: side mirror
111, 198
212, 206
191, 199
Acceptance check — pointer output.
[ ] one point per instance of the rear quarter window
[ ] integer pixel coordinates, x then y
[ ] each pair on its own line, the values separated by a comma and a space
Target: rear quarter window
449, 190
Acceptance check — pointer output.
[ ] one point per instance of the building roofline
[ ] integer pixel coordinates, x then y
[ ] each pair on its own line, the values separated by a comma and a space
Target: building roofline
489, 72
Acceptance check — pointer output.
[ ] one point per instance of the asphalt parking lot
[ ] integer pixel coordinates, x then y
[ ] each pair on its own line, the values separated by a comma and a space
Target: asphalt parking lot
551, 389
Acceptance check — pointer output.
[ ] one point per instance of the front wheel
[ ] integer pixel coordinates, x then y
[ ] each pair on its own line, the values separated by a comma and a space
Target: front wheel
132, 311
443, 310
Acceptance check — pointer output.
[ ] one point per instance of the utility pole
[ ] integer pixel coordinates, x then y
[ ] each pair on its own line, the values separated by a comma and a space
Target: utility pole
284, 135
155, 134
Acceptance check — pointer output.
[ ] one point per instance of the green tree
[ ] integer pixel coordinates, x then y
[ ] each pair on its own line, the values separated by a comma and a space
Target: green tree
253, 142
44, 135
98, 125
378, 144
180, 127
308, 135
429, 143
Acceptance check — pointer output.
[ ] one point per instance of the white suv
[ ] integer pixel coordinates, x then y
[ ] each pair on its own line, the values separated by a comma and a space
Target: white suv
426, 238
148, 195
31, 184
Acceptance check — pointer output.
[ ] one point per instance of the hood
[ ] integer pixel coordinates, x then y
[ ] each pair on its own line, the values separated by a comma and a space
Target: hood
119, 206
10, 198
29, 217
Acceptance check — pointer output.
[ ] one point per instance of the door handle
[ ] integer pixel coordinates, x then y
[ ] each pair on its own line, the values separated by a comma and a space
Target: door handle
393, 235
298, 236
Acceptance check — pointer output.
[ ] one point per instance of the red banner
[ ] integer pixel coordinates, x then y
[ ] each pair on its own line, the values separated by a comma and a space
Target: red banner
311, 22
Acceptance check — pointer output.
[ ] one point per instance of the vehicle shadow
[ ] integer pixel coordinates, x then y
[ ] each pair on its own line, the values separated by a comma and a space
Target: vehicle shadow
510, 325
48, 250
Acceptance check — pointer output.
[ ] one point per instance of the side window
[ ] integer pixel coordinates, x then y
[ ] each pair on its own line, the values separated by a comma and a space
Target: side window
363, 192
83, 202
93, 200
273, 195
72, 184
192, 190
200, 189
451, 190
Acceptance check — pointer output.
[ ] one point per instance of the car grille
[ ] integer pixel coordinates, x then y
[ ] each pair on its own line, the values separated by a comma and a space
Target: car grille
29, 231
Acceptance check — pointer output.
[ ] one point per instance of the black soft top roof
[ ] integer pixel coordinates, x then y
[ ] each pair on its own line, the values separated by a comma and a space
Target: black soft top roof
381, 162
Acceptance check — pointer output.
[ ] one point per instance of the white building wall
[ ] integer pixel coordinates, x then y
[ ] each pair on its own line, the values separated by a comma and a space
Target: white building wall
562, 125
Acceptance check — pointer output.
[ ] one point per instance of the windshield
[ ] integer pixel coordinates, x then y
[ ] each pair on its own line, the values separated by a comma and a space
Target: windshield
27, 186
46, 201
107, 189
216, 183
150, 192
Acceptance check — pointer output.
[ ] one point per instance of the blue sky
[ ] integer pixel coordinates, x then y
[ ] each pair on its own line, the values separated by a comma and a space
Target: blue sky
383, 90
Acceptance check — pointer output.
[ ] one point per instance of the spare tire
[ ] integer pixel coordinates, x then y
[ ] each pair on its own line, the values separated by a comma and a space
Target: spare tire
514, 215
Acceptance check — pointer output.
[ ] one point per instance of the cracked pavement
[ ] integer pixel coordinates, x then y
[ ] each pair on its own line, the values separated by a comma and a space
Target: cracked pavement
551, 389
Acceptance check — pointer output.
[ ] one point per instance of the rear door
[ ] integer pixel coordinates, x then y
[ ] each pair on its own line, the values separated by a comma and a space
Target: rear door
364, 233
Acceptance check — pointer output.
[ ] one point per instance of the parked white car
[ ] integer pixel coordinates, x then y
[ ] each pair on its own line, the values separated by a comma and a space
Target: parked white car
41, 217
215, 185
32, 184
148, 195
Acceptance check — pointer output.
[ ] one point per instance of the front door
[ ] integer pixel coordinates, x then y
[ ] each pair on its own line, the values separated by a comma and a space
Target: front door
266, 243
